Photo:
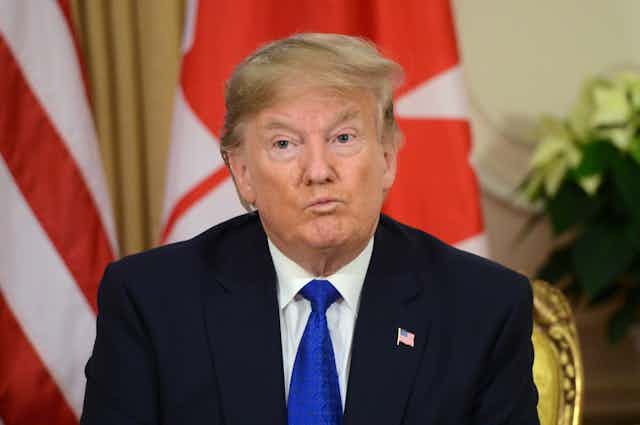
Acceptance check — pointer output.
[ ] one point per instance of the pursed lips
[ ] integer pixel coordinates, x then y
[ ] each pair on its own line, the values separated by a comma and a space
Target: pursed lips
323, 204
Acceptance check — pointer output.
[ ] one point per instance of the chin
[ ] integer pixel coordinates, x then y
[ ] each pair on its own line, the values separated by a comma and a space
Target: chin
324, 243
328, 232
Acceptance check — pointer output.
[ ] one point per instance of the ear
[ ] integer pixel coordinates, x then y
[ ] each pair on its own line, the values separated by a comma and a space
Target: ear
390, 154
241, 174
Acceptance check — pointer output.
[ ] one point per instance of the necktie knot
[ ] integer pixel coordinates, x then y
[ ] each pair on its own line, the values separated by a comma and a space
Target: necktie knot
321, 294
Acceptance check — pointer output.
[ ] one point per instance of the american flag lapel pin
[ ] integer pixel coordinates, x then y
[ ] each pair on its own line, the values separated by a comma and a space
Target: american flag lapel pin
405, 337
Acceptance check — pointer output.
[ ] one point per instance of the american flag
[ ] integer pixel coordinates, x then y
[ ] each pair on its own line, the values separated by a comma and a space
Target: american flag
405, 337
56, 226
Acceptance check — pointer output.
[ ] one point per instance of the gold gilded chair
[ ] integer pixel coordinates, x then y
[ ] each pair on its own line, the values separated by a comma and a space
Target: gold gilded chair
557, 368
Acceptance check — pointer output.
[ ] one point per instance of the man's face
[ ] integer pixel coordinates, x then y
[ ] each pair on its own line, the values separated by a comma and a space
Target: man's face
314, 168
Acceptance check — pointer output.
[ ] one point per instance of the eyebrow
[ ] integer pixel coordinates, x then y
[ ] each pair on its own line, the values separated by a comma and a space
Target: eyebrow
344, 116
276, 124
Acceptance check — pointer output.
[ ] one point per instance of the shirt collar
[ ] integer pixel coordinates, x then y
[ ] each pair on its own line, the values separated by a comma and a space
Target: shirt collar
348, 280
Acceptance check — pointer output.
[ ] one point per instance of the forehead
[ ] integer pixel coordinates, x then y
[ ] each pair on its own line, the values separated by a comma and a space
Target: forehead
317, 107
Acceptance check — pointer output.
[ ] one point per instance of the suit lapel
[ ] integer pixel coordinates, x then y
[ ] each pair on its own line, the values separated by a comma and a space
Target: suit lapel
395, 295
242, 320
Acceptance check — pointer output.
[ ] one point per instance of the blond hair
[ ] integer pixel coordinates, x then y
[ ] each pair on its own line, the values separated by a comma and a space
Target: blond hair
338, 62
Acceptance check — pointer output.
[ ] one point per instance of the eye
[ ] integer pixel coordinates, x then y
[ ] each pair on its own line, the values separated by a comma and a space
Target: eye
281, 144
344, 138
283, 147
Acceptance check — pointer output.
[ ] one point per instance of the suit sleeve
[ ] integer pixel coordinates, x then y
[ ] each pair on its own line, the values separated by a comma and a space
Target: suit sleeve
121, 387
508, 394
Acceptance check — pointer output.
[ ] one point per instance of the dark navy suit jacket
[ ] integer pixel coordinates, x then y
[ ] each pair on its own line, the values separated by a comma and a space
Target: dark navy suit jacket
190, 334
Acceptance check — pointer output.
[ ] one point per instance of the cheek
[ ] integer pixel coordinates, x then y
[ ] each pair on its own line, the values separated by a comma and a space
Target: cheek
369, 185
274, 188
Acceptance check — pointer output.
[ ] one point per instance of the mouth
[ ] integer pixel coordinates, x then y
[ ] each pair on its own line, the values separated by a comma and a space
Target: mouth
323, 205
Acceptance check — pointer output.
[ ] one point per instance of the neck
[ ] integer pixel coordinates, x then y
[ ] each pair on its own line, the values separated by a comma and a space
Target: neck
322, 262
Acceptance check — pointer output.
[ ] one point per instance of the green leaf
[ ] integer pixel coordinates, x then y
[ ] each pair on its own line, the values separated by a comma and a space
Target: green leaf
633, 233
601, 255
558, 265
626, 175
634, 273
597, 157
621, 320
571, 206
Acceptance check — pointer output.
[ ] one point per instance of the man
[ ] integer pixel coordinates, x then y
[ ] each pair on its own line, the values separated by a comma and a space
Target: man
314, 308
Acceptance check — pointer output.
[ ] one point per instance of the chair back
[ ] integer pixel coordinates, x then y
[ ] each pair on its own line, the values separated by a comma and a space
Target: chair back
557, 366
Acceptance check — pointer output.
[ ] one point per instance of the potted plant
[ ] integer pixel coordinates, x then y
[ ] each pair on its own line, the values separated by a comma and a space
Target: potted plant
585, 176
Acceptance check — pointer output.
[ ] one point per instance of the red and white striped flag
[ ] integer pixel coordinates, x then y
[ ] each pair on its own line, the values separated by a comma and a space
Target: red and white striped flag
435, 189
56, 228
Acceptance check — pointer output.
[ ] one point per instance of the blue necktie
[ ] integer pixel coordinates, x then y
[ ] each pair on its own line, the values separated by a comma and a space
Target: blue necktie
314, 392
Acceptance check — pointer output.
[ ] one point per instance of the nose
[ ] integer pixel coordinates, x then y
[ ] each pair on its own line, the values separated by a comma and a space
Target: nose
317, 163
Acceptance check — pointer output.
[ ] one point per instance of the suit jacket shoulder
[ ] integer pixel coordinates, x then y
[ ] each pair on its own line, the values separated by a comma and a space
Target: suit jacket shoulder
218, 247
463, 275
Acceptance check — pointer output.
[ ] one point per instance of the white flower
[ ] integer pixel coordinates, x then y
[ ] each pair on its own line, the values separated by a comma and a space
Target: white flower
611, 106
554, 156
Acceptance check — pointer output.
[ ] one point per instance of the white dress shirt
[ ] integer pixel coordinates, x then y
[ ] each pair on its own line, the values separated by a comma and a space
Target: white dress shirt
341, 315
